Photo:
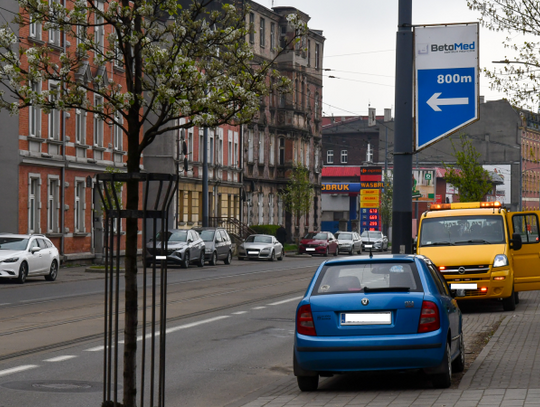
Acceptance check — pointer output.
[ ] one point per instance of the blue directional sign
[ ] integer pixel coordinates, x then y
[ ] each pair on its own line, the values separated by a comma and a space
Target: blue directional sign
446, 80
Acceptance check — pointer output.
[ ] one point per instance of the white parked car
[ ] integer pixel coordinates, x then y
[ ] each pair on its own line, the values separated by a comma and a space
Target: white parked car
260, 247
23, 256
349, 242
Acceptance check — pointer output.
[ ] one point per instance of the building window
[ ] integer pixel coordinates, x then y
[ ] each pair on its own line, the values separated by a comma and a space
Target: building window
35, 28
54, 115
219, 158
251, 28
80, 126
235, 151
262, 33
330, 156
201, 146
99, 37
261, 208
54, 31
250, 146
33, 204
281, 151
317, 56
210, 146
35, 113
98, 122
53, 205
270, 209
190, 145
80, 206
272, 148
344, 157
261, 148
118, 132
230, 148
280, 209
369, 153
272, 36
308, 52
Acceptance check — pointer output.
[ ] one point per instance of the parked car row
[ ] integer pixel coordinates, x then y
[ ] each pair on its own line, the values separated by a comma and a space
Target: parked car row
325, 243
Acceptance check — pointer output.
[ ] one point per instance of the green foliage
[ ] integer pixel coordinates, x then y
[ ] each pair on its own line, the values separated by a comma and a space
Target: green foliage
468, 175
112, 192
518, 76
387, 201
298, 194
265, 229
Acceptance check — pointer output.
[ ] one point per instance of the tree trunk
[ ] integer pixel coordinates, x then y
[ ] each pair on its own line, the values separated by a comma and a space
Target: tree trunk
130, 276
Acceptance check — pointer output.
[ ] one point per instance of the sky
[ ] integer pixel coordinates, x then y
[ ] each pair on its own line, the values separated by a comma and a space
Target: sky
360, 48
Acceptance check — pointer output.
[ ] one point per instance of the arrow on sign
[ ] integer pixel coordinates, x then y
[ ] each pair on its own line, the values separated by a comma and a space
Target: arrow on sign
434, 102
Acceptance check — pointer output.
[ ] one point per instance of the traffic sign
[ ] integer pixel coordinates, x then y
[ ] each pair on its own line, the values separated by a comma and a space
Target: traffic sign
446, 80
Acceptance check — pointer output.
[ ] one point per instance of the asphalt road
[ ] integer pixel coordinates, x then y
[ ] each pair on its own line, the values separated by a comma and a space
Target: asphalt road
231, 333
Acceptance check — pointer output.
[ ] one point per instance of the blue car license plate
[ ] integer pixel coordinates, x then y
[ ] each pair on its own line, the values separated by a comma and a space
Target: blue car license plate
366, 318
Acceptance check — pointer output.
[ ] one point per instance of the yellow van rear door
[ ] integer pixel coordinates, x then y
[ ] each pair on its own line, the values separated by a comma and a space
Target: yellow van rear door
526, 261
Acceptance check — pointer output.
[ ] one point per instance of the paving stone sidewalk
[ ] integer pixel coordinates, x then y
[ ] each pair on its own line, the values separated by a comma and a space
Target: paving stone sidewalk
505, 373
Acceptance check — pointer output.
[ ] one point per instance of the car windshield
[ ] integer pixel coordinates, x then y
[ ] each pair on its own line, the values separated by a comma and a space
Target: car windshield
371, 235
317, 236
174, 236
368, 277
344, 236
207, 235
259, 239
462, 230
13, 243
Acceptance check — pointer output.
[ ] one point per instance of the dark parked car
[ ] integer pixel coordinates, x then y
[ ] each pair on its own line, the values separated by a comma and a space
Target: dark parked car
378, 313
218, 245
318, 243
184, 247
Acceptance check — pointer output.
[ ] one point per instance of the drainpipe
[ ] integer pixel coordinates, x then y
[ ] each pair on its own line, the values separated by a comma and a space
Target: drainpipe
63, 170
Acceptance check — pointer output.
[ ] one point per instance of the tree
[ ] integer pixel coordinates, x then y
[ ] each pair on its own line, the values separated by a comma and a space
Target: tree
387, 203
468, 175
298, 194
191, 63
519, 78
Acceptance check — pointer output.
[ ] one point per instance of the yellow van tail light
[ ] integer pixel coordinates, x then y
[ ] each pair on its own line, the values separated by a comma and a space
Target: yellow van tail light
465, 205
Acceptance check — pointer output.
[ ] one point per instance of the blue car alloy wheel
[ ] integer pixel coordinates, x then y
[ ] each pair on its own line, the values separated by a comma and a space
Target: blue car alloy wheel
386, 313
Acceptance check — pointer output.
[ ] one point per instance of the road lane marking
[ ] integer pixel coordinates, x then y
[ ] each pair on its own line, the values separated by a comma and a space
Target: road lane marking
258, 308
96, 349
17, 369
240, 312
204, 321
60, 358
5, 303
285, 301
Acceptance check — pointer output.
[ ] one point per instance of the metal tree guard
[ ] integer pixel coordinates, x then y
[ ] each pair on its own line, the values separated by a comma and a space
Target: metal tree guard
158, 193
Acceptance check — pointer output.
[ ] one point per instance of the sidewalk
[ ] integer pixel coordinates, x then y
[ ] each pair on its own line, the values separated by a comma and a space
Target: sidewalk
505, 373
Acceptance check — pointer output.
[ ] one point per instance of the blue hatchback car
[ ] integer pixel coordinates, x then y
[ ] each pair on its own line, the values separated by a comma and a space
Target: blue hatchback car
391, 312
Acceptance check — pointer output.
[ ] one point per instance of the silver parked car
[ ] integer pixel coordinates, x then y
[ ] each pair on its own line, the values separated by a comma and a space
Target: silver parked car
374, 238
260, 247
349, 242
218, 245
184, 247
23, 256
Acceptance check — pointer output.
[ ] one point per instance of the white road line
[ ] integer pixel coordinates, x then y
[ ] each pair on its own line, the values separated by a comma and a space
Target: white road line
5, 303
204, 321
258, 308
60, 358
17, 369
239, 312
285, 301
96, 349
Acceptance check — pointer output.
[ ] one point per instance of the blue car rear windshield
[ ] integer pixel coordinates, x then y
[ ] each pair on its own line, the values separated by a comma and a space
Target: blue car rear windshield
363, 277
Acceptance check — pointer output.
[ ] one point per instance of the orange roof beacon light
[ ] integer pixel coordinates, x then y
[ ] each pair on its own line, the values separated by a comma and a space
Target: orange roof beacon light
465, 205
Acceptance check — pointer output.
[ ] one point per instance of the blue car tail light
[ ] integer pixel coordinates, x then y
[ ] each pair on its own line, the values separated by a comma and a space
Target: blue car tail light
304, 321
429, 317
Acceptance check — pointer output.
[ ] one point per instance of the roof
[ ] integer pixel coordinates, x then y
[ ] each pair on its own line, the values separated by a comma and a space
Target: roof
337, 171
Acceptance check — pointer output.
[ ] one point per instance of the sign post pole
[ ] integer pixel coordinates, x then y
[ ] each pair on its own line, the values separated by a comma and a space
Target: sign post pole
403, 136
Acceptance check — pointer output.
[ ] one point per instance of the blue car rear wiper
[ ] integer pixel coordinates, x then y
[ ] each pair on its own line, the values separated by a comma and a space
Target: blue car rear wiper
386, 289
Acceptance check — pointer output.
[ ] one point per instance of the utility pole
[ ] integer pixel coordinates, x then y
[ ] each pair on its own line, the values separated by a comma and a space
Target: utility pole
205, 179
402, 198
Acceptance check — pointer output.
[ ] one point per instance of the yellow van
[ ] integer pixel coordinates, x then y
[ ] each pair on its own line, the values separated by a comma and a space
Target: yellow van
483, 250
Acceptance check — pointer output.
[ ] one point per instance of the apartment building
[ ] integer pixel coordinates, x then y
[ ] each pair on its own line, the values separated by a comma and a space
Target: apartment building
49, 160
